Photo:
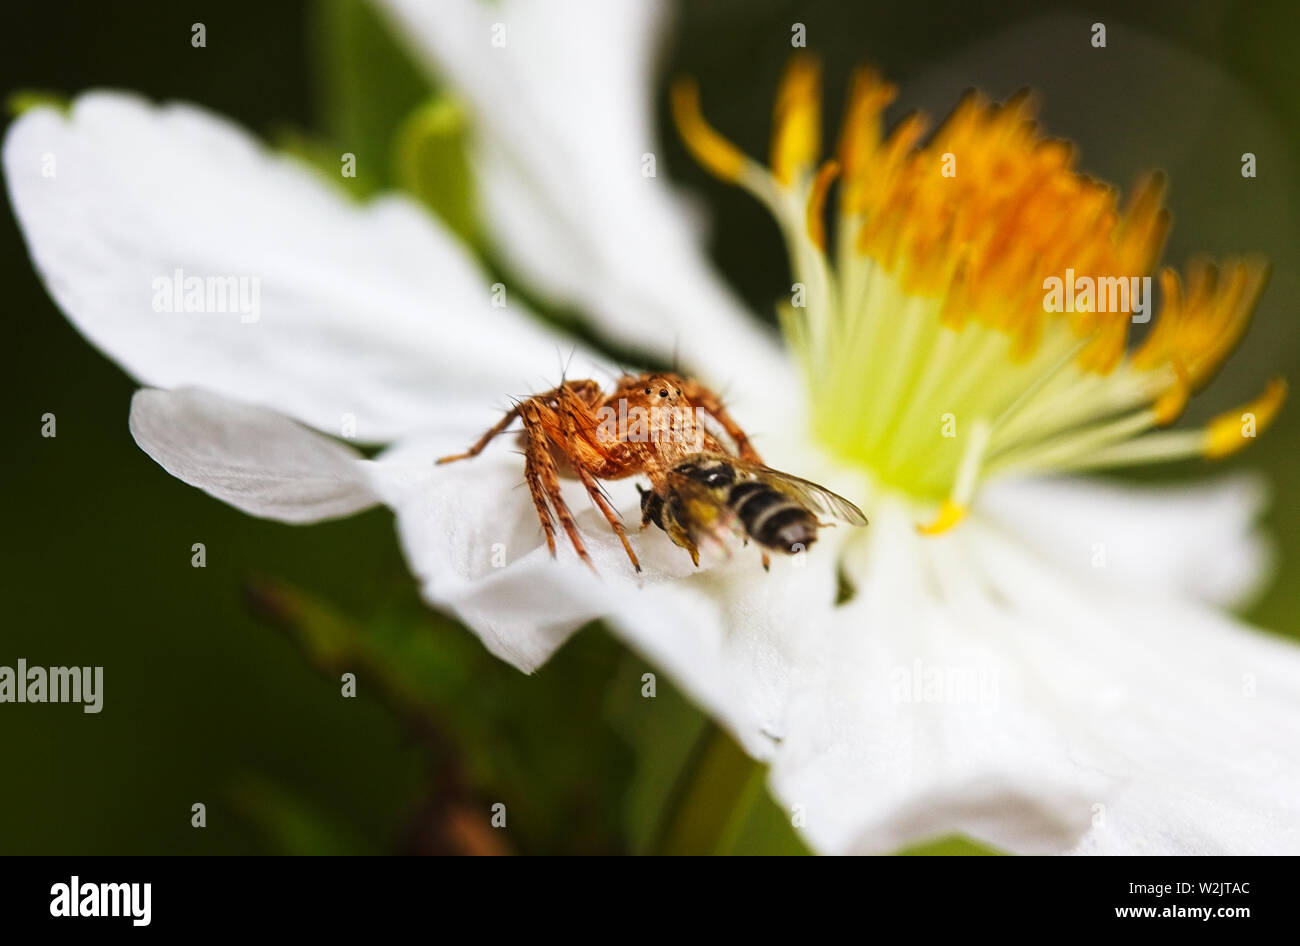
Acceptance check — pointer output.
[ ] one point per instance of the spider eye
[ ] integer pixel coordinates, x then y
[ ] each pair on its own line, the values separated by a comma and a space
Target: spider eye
679, 392
663, 392
647, 390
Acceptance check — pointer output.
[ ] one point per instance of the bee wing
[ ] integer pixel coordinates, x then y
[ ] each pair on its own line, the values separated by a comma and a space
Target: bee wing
816, 497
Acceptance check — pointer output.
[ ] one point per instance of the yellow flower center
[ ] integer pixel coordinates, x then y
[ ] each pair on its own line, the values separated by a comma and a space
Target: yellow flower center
973, 318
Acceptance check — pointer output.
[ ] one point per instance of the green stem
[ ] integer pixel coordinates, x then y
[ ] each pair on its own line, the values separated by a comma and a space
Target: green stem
712, 800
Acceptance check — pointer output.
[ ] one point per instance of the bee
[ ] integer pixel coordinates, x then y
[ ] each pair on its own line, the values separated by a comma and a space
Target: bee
652, 425
711, 495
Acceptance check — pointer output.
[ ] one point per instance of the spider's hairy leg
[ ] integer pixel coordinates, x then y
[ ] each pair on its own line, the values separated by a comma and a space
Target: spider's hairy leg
542, 428
710, 401
581, 456
587, 391
533, 477
482, 442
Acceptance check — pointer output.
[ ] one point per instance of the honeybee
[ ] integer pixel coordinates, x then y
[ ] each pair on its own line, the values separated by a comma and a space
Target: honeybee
710, 495
700, 488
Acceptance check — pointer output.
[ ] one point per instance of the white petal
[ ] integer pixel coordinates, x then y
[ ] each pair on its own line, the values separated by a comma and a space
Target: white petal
1210, 743
1197, 541
725, 632
257, 460
971, 688
564, 111
1194, 716
365, 314
910, 720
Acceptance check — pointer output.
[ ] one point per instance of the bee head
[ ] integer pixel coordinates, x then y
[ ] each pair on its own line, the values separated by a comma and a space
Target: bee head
709, 472
652, 507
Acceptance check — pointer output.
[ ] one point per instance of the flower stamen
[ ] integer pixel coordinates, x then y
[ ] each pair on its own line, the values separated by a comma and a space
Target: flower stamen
977, 320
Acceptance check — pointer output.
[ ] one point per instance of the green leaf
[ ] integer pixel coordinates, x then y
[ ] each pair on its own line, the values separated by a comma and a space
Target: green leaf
663, 731
693, 791
538, 744
290, 825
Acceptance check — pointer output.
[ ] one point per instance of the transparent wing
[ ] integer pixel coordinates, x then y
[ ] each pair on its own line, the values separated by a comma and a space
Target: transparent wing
817, 498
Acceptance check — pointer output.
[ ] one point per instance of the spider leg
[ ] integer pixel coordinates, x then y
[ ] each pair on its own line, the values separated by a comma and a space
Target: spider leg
612, 517
541, 430
533, 477
487, 438
561, 420
585, 389
710, 401
577, 461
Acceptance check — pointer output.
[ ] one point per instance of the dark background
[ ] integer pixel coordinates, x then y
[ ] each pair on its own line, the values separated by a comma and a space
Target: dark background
205, 700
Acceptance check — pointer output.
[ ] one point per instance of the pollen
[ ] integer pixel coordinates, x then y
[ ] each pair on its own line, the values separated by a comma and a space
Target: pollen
973, 299
796, 120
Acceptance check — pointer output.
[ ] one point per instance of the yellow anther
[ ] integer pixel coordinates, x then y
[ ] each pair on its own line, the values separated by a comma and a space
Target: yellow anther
817, 203
715, 152
1230, 432
797, 120
950, 514
1170, 405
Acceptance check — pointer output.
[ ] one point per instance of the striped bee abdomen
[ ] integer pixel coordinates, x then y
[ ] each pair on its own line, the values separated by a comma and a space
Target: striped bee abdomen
771, 518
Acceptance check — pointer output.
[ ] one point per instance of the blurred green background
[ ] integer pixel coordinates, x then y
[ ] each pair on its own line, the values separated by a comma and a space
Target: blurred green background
222, 683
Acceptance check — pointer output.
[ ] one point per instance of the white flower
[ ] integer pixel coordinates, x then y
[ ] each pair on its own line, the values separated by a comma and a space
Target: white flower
999, 680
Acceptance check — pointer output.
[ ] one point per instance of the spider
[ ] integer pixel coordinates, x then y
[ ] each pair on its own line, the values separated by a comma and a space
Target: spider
578, 423
650, 425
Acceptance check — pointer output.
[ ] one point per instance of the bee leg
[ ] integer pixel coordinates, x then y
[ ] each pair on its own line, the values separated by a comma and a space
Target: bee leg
767, 562
682, 536
548, 477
